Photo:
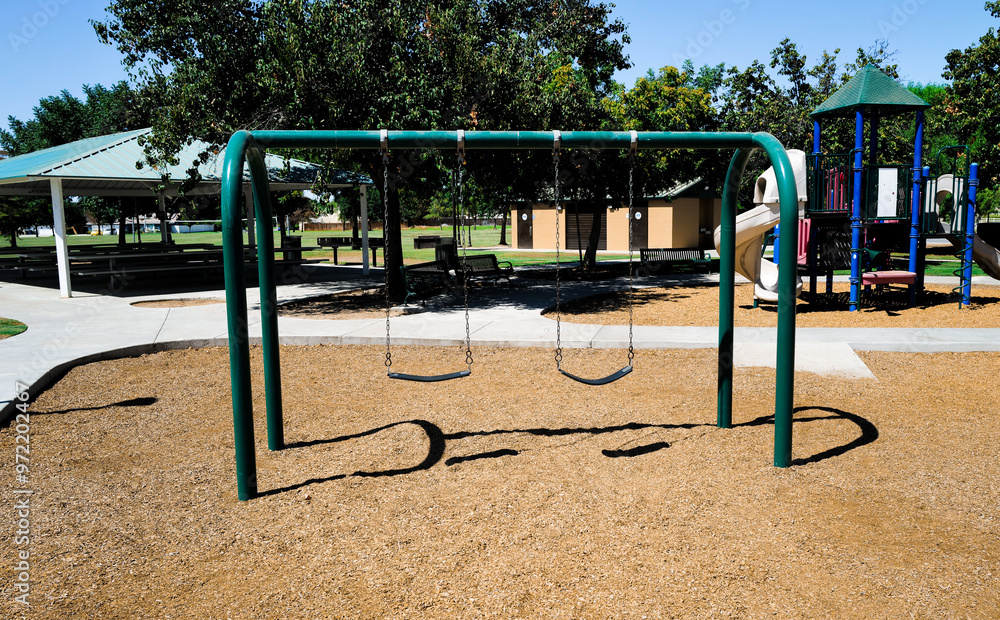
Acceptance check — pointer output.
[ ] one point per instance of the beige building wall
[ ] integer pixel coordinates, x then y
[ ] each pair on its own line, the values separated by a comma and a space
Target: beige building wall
686, 219
618, 230
661, 224
676, 224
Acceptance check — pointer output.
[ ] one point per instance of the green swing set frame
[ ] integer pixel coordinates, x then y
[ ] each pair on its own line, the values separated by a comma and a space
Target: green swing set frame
247, 147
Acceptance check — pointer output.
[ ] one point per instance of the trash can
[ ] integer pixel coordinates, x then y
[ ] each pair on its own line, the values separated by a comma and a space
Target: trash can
292, 242
444, 250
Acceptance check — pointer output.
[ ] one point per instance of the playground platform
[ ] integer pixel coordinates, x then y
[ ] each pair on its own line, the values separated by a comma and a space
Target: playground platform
63, 333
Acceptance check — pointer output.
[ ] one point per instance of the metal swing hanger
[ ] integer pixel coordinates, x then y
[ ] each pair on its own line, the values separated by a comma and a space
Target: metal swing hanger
384, 140
618, 374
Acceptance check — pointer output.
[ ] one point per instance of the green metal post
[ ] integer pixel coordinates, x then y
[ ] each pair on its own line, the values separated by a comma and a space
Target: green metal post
236, 313
784, 389
268, 299
727, 285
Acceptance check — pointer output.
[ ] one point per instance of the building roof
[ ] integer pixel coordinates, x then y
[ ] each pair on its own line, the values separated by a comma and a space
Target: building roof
107, 166
873, 91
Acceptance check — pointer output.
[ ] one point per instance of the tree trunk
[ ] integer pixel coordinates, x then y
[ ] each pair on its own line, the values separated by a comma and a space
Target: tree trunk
13, 239
503, 224
393, 251
590, 258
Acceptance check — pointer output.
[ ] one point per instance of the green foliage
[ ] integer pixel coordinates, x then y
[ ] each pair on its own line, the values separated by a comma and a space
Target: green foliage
669, 100
974, 100
213, 68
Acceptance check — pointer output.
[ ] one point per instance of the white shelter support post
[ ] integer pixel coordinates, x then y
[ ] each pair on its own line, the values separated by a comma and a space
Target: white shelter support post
59, 228
164, 224
251, 236
364, 230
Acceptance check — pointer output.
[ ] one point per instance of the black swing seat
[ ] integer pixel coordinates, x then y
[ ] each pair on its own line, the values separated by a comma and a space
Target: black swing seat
603, 380
431, 378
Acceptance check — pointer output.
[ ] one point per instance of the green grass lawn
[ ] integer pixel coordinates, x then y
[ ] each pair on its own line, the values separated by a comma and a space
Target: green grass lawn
482, 237
10, 327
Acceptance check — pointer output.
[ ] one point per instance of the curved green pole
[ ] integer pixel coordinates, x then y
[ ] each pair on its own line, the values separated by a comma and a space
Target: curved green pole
727, 284
236, 314
268, 299
784, 389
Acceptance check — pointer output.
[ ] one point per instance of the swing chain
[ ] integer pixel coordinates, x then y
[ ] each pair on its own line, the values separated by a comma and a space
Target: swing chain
385, 217
555, 184
465, 279
631, 251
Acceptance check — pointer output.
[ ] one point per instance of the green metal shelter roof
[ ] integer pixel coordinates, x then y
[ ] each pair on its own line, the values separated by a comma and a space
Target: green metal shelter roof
106, 166
872, 90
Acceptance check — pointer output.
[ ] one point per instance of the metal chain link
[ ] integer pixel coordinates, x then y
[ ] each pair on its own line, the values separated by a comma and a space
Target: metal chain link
559, 355
631, 254
465, 255
385, 218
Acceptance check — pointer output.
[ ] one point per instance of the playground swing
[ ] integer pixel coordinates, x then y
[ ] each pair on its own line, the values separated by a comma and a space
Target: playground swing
618, 374
458, 200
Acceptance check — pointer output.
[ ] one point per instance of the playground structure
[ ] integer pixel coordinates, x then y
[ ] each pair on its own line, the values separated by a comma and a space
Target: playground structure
886, 207
246, 147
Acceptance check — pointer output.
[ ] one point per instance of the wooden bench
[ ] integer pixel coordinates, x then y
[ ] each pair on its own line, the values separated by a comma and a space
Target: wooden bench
485, 266
424, 279
656, 260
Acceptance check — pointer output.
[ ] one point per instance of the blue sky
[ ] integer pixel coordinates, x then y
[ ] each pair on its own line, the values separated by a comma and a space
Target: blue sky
48, 45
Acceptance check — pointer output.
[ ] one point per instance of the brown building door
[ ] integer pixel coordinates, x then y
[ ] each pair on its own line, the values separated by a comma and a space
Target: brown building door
525, 225
640, 226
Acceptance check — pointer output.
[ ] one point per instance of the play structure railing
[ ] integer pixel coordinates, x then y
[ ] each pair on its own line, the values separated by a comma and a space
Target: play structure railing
887, 192
830, 183
248, 147
830, 186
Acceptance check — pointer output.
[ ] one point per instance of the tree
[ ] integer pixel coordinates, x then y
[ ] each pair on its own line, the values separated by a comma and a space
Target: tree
753, 100
212, 68
974, 100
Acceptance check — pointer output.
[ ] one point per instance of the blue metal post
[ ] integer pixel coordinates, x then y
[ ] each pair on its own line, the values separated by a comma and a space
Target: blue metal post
970, 235
776, 245
859, 132
915, 205
813, 233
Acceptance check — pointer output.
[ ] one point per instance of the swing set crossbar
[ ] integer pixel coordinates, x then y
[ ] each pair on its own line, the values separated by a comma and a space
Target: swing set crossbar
247, 147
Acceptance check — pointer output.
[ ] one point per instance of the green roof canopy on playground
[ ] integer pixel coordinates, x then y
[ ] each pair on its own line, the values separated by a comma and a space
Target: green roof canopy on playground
875, 92
106, 166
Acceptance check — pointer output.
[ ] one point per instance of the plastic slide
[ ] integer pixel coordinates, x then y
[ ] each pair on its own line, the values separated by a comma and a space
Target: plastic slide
985, 255
751, 226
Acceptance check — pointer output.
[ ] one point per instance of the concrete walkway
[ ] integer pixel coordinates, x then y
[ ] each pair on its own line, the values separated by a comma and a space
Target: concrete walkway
63, 333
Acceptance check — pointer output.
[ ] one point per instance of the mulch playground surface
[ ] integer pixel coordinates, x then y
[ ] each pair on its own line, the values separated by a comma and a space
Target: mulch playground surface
515, 492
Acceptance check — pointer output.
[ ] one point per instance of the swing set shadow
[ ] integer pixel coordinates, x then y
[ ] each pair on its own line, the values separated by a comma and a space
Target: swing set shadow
438, 440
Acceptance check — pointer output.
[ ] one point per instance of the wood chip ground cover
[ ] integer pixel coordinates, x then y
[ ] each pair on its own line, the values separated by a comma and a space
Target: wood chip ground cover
514, 493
